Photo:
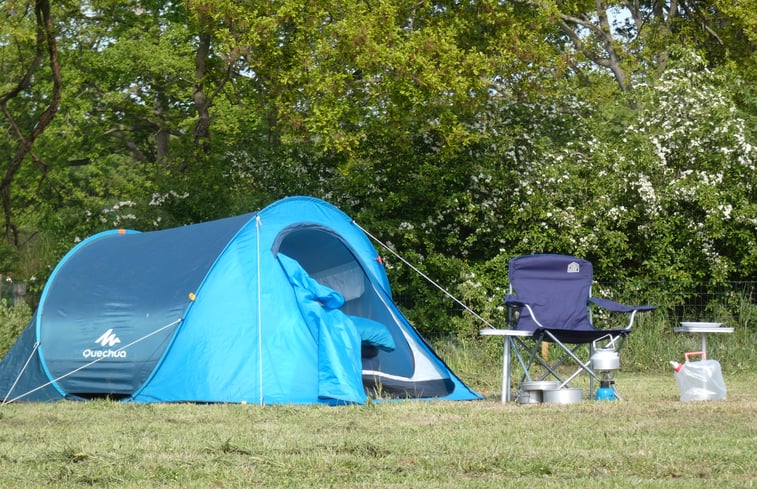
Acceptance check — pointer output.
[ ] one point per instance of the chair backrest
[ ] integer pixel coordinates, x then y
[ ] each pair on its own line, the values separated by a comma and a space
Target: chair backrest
557, 288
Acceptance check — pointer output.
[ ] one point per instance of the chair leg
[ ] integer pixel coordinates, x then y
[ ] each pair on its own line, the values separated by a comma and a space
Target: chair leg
569, 352
535, 359
551, 369
522, 363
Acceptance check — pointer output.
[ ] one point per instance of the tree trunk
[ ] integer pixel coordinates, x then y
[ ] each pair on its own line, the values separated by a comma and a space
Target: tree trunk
201, 130
45, 43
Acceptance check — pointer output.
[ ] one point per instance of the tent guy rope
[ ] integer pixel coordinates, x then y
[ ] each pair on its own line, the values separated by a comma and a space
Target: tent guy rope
426, 277
31, 355
138, 340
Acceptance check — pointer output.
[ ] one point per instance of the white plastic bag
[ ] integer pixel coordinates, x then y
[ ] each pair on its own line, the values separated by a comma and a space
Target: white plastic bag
700, 381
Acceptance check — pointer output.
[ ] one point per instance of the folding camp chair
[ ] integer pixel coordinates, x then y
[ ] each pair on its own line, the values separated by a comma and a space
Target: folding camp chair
550, 296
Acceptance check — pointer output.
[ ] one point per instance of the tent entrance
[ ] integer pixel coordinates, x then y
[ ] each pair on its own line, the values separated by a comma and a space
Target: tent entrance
403, 372
328, 259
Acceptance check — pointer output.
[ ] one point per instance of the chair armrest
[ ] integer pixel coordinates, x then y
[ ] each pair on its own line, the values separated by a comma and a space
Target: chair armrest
613, 306
512, 301
618, 307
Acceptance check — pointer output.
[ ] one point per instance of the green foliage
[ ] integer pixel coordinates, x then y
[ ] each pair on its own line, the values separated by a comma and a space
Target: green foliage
460, 133
695, 166
9, 257
344, 74
13, 320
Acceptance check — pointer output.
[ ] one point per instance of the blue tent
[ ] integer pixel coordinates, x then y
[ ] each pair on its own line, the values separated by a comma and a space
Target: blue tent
290, 304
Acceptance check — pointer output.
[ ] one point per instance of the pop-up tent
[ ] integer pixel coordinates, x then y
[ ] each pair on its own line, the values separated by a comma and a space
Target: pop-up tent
290, 304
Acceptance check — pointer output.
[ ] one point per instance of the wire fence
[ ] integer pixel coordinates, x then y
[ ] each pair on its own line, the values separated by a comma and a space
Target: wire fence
733, 302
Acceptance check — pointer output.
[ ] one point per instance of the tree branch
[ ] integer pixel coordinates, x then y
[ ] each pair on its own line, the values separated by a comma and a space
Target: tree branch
612, 60
45, 43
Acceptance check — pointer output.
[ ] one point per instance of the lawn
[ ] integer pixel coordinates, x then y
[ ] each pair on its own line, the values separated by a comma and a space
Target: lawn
648, 440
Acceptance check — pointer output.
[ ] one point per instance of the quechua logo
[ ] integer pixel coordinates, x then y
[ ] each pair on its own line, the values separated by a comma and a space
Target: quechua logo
108, 340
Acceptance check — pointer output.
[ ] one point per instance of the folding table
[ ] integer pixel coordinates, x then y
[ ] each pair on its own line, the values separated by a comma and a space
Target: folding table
508, 334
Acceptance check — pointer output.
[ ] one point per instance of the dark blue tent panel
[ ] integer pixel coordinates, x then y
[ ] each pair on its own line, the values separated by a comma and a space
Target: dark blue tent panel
234, 310
21, 372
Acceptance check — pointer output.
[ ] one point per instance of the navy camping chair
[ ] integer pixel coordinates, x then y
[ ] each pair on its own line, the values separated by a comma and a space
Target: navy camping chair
550, 296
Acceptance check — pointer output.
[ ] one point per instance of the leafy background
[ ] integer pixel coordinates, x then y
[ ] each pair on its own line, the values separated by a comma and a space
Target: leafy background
459, 133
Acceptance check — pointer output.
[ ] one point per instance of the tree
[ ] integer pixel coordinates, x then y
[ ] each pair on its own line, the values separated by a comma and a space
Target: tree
629, 37
338, 73
27, 108
461, 133
662, 192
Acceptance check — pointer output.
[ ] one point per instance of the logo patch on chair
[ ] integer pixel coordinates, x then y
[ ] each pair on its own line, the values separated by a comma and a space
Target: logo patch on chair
574, 267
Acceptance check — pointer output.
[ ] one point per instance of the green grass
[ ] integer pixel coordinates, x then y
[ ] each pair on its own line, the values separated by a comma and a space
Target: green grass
649, 440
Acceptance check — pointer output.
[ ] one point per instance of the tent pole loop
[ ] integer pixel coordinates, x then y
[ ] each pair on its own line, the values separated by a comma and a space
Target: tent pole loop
258, 225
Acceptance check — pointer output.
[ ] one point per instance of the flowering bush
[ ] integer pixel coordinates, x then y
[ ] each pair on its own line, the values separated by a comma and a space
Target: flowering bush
666, 193
663, 193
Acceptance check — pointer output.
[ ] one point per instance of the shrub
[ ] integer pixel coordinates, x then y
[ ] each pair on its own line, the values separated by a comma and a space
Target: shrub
13, 320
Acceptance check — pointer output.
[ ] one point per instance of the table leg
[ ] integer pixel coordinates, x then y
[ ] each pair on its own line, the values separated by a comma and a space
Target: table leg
506, 370
704, 346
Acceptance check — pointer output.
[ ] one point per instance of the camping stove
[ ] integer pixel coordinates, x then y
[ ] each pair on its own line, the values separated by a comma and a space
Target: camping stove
605, 361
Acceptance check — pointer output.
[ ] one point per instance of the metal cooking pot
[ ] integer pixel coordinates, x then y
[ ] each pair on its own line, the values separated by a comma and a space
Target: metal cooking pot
539, 385
529, 397
566, 395
531, 392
